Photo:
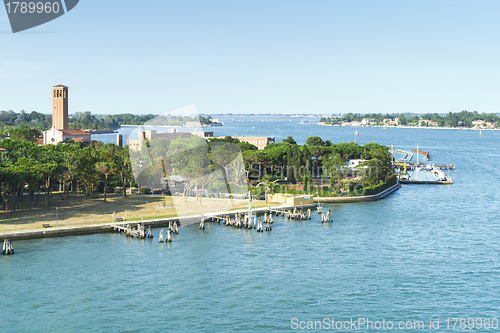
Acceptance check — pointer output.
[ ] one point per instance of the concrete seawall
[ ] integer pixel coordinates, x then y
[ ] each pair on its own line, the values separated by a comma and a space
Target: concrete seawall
108, 227
378, 196
183, 221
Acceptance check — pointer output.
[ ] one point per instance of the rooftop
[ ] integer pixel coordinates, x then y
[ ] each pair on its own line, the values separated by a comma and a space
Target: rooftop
74, 132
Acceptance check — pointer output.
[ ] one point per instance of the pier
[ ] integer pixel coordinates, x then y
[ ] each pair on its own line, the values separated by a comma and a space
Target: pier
407, 155
413, 166
109, 227
404, 165
440, 177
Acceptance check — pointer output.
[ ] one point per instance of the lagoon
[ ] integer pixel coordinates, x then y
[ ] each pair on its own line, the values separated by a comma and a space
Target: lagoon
425, 251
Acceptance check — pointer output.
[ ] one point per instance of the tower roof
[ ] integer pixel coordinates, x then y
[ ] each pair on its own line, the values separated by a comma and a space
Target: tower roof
61, 86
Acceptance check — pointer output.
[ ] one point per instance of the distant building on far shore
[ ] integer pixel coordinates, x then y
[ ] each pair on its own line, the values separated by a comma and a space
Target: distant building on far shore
60, 131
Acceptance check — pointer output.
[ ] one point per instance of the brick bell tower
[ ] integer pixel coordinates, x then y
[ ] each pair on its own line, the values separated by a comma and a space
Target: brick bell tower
60, 107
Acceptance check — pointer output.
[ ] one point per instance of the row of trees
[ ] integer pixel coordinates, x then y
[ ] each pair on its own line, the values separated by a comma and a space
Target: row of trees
80, 120
217, 165
227, 164
25, 166
171, 120
317, 159
86, 120
461, 119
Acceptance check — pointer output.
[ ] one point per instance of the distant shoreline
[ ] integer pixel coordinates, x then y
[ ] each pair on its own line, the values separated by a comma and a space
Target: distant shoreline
419, 127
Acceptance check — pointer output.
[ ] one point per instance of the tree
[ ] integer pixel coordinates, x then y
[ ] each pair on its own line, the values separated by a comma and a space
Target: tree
124, 168
106, 168
315, 141
24, 134
290, 140
333, 167
70, 163
290, 172
372, 170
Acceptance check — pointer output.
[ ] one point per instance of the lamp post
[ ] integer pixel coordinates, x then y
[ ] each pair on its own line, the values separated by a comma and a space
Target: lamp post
57, 216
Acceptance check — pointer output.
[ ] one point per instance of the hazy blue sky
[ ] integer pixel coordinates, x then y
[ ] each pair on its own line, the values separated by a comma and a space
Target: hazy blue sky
272, 56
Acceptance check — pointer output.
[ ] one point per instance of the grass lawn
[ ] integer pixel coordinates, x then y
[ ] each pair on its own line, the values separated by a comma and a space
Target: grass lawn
80, 210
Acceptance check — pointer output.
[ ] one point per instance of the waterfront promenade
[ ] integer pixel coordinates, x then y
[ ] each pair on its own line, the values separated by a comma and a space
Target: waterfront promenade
183, 220
108, 227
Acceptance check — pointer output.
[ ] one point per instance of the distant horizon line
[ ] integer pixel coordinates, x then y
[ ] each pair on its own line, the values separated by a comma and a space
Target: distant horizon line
340, 114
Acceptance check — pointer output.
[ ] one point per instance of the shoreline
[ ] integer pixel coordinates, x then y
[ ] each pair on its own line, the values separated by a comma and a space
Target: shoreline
183, 220
108, 227
417, 127
373, 197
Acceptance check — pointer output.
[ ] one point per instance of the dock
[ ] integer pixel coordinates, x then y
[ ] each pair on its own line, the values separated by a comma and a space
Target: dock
407, 155
413, 166
428, 182
440, 178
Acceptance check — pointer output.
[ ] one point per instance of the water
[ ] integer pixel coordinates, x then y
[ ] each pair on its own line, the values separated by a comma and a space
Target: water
424, 251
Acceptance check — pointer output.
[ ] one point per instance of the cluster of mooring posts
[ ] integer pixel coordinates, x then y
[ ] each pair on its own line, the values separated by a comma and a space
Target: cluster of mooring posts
171, 230
247, 221
299, 215
7, 247
326, 218
141, 232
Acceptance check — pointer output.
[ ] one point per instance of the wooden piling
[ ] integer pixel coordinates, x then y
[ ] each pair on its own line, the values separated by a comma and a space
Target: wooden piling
160, 239
268, 227
7, 249
259, 227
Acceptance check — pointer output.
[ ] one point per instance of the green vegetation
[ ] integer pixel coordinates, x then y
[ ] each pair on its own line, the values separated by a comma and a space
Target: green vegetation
28, 170
24, 134
318, 166
80, 120
170, 120
80, 210
27, 167
88, 121
462, 119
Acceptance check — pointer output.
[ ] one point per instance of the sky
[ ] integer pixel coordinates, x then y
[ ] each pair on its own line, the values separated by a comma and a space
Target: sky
273, 56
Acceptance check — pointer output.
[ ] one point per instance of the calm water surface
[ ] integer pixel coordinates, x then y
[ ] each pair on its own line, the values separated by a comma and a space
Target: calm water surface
424, 251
